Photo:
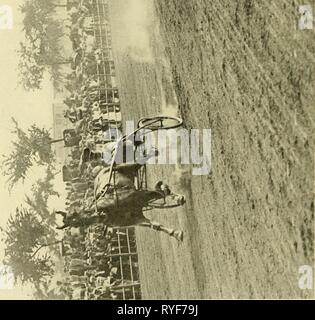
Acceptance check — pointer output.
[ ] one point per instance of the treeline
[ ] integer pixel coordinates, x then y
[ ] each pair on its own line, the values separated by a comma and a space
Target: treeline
30, 230
40, 52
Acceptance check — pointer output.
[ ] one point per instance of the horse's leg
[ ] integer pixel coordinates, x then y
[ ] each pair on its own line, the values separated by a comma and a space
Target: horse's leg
177, 198
169, 199
177, 234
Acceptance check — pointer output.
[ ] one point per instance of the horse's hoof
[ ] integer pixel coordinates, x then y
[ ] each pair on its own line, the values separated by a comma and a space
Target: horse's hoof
158, 185
181, 200
165, 188
179, 235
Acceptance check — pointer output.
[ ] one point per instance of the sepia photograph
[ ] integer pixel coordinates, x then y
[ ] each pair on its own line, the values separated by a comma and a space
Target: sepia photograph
157, 150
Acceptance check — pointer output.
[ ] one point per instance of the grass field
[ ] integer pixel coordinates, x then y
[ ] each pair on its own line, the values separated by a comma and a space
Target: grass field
243, 69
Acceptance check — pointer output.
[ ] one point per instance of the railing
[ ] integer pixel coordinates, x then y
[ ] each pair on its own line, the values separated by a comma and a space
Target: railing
123, 254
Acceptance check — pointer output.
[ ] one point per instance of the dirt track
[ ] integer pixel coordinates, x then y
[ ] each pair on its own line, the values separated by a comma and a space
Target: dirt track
245, 71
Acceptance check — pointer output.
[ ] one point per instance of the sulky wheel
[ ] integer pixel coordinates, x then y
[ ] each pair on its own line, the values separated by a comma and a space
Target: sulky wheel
160, 122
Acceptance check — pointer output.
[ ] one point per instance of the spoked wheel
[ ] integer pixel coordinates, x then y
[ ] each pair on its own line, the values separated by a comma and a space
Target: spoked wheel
160, 122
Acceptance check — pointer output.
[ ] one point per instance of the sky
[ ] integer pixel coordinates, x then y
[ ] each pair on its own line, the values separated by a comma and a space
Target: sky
27, 108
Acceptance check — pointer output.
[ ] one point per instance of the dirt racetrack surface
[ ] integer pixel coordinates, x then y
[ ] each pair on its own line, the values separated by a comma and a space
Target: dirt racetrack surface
244, 70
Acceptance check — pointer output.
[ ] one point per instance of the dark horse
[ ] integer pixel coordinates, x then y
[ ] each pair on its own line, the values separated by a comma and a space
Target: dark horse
122, 205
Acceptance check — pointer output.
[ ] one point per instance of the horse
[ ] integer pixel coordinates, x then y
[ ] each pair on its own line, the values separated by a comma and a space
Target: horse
121, 204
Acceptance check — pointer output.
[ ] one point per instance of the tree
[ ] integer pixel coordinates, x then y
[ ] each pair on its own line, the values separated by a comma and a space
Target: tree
35, 17
42, 190
41, 50
32, 146
46, 293
30, 72
23, 235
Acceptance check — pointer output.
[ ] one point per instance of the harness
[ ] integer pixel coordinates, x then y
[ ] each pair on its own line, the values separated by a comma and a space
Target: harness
108, 188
